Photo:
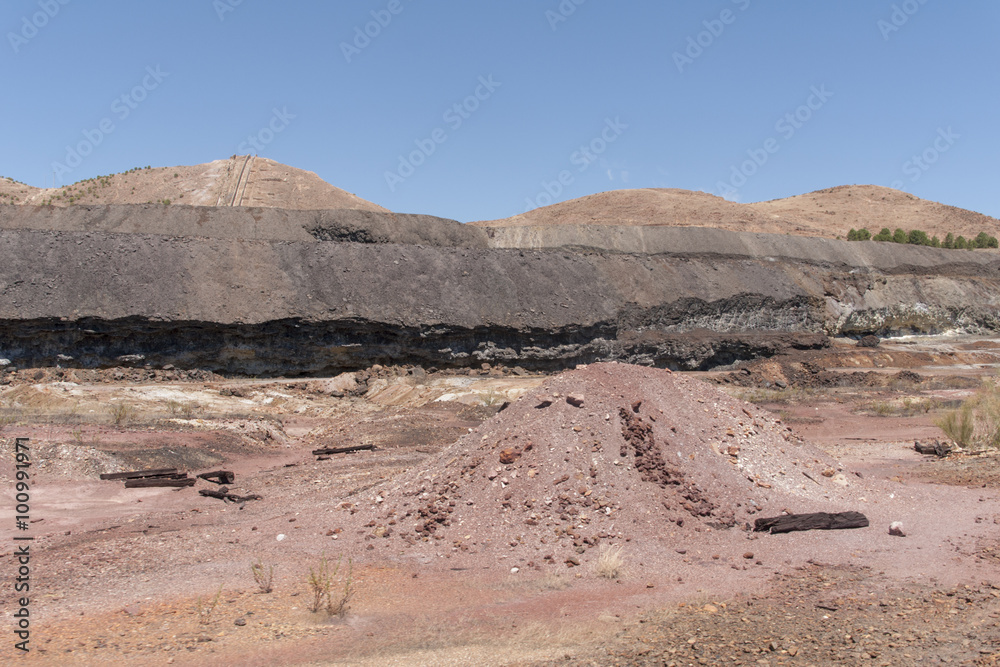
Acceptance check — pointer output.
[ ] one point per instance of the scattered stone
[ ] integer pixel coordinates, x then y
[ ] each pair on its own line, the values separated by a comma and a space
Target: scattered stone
869, 341
509, 455
576, 400
896, 529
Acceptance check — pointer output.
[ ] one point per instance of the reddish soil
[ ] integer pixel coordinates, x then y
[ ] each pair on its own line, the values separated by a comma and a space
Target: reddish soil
467, 545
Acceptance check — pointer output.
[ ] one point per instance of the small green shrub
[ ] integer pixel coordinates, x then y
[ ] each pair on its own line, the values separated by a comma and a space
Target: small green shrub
321, 582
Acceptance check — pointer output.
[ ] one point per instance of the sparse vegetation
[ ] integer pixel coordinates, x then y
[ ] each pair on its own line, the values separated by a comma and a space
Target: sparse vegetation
264, 578
205, 608
321, 582
907, 407
610, 562
957, 425
493, 397
977, 421
919, 237
121, 413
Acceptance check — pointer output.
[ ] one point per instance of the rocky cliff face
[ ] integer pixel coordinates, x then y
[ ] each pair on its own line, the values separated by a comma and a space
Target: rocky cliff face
319, 292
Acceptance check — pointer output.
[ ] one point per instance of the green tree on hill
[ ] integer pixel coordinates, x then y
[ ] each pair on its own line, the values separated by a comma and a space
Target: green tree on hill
899, 236
984, 240
884, 235
949, 240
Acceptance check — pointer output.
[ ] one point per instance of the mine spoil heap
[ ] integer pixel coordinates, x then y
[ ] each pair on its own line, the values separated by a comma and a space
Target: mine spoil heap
605, 454
271, 292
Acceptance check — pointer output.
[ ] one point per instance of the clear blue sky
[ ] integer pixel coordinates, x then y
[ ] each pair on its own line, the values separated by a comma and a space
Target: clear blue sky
887, 81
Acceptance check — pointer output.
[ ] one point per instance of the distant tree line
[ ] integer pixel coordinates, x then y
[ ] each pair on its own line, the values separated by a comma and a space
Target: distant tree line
917, 237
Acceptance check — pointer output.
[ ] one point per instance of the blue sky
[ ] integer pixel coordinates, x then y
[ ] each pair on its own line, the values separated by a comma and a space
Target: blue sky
555, 100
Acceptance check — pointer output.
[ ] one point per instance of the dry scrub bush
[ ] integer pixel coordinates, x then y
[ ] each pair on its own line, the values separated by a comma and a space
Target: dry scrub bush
610, 562
321, 582
205, 609
263, 577
977, 421
121, 413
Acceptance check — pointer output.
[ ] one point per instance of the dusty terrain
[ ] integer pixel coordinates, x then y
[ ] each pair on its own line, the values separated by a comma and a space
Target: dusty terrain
827, 213
467, 545
534, 486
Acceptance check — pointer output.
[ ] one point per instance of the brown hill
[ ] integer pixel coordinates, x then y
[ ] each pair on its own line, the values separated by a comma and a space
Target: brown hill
831, 212
239, 181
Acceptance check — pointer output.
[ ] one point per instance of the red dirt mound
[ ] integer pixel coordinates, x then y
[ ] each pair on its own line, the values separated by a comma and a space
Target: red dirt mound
600, 455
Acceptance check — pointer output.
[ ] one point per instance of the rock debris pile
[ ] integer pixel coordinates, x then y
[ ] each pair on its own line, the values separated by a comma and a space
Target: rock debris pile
605, 454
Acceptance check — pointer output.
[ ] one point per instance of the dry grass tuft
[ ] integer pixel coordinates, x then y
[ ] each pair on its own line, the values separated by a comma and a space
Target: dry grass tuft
122, 413
264, 577
610, 563
977, 421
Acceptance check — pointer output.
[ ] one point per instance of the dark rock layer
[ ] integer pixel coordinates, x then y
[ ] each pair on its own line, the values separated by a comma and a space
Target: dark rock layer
354, 289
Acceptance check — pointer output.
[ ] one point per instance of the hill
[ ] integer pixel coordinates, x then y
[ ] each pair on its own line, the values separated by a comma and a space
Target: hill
242, 180
826, 213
